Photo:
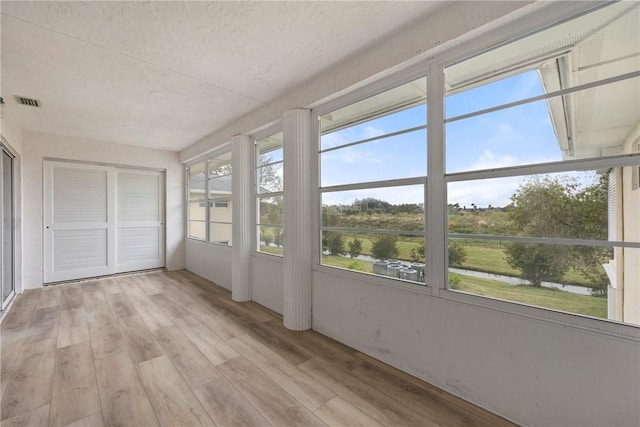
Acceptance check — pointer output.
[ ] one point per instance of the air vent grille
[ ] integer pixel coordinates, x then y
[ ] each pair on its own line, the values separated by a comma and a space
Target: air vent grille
28, 101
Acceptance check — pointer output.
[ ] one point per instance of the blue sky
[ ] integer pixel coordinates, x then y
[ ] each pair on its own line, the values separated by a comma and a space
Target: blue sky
515, 136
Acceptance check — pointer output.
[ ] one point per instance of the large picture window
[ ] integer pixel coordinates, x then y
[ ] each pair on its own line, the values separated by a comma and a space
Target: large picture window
269, 194
539, 142
372, 184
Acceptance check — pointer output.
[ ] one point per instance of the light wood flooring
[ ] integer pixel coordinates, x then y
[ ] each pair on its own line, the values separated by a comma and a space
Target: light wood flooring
173, 349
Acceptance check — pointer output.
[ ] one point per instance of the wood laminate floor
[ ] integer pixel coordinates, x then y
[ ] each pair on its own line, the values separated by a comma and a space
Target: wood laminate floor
173, 349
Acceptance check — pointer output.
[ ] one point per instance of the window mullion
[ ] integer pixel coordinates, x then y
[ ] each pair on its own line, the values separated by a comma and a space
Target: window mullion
206, 205
435, 218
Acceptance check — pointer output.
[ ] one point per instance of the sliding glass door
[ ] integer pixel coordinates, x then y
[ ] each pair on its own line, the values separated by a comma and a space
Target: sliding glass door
6, 227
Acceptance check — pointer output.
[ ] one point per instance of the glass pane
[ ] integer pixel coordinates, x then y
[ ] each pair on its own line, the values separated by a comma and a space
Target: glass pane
524, 85
400, 108
196, 229
220, 187
400, 257
269, 149
270, 240
401, 156
516, 136
592, 47
597, 124
270, 178
392, 208
220, 165
196, 211
196, 181
271, 210
560, 277
220, 210
220, 233
572, 205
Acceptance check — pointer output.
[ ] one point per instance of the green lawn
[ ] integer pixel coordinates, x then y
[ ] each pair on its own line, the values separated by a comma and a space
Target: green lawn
541, 297
271, 250
346, 262
494, 260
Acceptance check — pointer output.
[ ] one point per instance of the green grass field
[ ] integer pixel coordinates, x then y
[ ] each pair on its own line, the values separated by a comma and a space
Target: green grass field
542, 297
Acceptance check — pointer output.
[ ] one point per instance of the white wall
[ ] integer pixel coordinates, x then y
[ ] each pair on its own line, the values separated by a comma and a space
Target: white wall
528, 370
267, 282
210, 261
37, 146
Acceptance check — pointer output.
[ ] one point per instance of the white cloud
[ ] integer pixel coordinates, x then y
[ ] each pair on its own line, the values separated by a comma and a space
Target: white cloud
371, 132
488, 160
495, 192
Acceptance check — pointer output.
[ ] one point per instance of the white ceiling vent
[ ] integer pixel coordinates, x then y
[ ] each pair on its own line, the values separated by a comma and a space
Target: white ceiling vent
28, 101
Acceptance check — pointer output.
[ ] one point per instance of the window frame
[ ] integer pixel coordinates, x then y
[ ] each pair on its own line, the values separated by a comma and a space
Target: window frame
255, 206
209, 203
539, 18
385, 84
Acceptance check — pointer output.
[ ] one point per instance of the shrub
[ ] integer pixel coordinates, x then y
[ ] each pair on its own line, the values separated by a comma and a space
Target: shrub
385, 246
355, 247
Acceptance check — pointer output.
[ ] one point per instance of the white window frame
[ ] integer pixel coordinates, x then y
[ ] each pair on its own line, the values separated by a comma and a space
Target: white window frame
271, 130
209, 202
403, 77
539, 17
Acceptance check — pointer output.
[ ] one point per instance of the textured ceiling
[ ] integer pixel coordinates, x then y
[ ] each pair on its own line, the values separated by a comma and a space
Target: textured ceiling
165, 74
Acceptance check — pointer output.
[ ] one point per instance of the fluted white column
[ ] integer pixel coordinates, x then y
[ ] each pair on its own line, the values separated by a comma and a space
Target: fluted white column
241, 153
298, 155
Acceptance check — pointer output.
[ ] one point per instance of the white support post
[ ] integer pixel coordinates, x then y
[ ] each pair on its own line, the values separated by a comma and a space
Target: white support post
241, 153
298, 233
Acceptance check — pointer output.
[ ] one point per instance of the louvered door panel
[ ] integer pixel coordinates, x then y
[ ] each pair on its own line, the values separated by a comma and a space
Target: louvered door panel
140, 219
78, 219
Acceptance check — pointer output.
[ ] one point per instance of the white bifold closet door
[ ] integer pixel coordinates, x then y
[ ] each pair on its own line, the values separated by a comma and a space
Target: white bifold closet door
101, 220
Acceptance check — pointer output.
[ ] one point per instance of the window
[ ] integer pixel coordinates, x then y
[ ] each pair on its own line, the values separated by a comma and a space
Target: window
196, 200
209, 205
535, 131
219, 195
372, 183
269, 194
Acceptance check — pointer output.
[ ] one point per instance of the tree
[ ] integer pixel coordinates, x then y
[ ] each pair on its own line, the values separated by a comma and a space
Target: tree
560, 207
335, 243
385, 247
457, 254
278, 235
265, 236
538, 262
417, 253
268, 174
355, 247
